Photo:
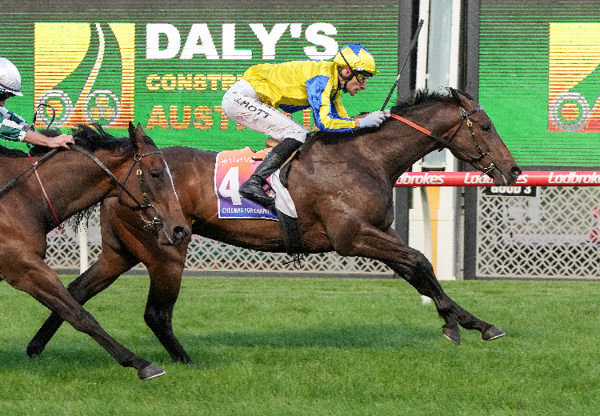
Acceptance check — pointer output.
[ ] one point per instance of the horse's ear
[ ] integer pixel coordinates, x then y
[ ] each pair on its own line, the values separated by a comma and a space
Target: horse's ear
137, 130
459, 97
454, 93
140, 130
139, 137
135, 133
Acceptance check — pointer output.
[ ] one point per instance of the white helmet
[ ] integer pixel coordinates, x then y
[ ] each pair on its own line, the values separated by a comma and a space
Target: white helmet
10, 79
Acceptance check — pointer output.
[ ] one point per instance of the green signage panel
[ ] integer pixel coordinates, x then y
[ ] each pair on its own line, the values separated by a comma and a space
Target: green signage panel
168, 70
539, 79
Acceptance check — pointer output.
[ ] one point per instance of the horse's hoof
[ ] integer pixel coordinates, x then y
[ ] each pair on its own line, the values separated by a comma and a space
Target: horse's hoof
492, 333
452, 332
34, 349
150, 371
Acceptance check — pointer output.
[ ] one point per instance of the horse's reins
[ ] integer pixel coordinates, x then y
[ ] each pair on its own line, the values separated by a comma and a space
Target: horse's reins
464, 115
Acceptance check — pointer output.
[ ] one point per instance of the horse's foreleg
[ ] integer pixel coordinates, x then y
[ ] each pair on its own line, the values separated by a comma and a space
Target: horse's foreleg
165, 282
84, 322
94, 280
41, 283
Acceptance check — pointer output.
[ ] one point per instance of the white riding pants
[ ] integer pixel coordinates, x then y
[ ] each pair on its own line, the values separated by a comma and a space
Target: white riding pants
242, 104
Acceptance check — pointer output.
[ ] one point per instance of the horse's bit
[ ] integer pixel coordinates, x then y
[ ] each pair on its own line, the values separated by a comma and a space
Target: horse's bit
464, 115
149, 224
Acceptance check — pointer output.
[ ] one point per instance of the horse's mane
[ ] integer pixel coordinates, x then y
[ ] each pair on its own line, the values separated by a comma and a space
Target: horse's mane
420, 98
89, 137
424, 97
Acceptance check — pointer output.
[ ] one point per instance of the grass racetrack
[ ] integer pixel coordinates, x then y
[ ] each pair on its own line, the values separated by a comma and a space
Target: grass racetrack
302, 346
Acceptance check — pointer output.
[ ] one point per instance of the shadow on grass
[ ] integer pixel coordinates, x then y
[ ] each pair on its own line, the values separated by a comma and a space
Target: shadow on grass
77, 356
57, 362
357, 336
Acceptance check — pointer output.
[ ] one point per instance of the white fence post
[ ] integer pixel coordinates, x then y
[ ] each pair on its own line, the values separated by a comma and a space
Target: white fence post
83, 248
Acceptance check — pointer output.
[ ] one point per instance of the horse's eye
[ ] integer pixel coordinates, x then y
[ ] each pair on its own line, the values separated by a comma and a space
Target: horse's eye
155, 174
486, 127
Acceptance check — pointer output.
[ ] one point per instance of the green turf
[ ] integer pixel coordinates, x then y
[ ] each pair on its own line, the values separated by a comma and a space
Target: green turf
299, 346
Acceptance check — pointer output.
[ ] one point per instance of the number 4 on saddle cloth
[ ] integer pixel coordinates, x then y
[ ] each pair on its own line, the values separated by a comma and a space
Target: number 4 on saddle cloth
233, 168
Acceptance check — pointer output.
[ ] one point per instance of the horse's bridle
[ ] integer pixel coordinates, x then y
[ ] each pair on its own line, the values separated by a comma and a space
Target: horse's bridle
149, 224
464, 116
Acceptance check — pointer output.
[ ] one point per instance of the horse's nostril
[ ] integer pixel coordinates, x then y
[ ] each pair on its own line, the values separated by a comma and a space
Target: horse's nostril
516, 171
180, 233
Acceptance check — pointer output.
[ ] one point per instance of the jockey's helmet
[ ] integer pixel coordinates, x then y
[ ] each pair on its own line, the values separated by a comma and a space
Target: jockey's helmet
10, 79
357, 58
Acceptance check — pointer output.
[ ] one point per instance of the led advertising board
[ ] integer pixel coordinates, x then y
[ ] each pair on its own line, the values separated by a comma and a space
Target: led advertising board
539, 79
169, 68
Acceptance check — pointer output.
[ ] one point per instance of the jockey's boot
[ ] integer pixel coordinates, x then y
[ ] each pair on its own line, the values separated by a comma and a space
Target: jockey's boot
252, 189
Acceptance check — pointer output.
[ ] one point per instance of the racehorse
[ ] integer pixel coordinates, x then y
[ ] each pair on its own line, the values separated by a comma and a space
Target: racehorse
59, 183
342, 189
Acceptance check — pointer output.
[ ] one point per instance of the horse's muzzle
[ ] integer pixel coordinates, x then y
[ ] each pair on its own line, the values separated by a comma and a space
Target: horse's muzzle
502, 178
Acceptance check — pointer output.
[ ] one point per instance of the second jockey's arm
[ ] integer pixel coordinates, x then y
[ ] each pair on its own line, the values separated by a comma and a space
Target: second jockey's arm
36, 138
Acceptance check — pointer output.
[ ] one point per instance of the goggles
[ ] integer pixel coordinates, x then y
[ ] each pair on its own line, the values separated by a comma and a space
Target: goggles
362, 76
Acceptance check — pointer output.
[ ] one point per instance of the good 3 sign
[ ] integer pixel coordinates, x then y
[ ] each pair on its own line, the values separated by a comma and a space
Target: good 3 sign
86, 71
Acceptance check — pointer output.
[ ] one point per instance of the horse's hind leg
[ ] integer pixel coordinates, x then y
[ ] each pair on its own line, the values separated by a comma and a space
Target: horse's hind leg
361, 239
422, 277
98, 277
165, 282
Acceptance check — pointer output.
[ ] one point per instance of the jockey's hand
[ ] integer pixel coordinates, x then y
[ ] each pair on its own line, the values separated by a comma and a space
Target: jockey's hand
64, 140
373, 119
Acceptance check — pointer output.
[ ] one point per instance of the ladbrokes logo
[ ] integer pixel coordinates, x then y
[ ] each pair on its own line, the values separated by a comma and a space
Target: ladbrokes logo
574, 77
85, 72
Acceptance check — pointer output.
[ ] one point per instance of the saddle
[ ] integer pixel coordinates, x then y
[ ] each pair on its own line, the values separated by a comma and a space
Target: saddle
241, 163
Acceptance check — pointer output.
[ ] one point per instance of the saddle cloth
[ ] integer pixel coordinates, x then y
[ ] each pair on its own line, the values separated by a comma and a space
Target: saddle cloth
233, 168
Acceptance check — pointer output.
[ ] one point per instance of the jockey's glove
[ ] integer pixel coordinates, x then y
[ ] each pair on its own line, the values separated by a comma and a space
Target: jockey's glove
373, 119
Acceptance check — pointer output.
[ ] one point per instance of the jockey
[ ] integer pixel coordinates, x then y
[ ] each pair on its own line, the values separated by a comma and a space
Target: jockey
12, 126
291, 86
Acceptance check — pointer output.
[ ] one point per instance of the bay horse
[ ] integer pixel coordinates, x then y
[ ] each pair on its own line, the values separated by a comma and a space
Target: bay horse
56, 184
342, 189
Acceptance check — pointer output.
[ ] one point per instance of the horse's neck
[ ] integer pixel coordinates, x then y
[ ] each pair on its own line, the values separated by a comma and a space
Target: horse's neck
405, 145
397, 147
76, 182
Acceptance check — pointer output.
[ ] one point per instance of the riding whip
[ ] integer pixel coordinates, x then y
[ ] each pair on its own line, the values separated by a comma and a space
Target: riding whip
37, 109
413, 42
